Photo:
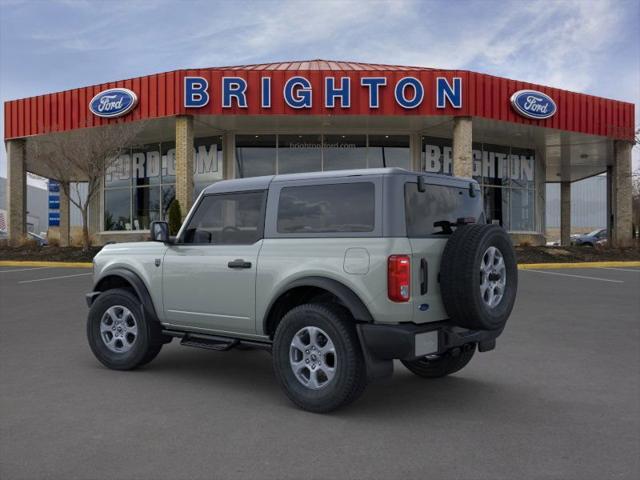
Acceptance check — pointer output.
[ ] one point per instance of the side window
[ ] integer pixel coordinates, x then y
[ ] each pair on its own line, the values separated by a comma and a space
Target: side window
227, 219
342, 207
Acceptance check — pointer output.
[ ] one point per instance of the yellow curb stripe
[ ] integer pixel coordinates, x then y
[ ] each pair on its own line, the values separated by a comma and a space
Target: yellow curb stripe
29, 263
527, 266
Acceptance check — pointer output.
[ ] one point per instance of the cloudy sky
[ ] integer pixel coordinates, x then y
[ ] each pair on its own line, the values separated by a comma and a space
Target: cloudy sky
582, 45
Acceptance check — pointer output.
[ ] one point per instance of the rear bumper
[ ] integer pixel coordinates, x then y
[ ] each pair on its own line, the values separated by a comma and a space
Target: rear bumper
411, 341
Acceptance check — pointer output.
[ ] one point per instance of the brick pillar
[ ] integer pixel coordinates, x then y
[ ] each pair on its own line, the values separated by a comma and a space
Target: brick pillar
228, 156
621, 189
65, 215
415, 143
565, 213
184, 162
16, 191
462, 149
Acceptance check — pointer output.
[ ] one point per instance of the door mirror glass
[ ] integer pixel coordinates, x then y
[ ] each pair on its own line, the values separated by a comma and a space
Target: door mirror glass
159, 232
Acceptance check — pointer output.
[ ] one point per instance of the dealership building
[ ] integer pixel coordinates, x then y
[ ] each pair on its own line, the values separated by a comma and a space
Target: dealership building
201, 126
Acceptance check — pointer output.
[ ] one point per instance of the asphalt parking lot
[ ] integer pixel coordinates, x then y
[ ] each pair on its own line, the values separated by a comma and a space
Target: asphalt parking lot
558, 398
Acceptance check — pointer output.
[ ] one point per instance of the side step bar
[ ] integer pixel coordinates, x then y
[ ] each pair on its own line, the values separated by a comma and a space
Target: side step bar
213, 342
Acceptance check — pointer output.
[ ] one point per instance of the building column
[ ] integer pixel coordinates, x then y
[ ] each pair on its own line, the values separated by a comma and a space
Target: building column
16, 191
184, 163
565, 213
65, 215
415, 143
228, 156
620, 234
462, 147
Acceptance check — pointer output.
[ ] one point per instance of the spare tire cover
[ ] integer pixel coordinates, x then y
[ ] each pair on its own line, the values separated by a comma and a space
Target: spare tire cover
479, 277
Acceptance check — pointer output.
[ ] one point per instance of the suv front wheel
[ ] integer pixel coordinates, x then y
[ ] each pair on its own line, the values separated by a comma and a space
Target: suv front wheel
317, 357
119, 334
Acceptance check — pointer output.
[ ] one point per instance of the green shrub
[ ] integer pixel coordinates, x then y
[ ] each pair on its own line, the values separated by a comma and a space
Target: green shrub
175, 217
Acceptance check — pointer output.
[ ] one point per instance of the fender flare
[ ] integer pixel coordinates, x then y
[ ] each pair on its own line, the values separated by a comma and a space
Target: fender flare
136, 283
350, 300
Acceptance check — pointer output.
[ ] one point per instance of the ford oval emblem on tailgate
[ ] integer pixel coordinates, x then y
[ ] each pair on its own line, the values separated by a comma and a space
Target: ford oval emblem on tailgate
114, 102
533, 104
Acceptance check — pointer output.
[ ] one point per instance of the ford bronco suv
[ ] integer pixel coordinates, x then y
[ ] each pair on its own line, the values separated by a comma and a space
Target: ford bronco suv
336, 273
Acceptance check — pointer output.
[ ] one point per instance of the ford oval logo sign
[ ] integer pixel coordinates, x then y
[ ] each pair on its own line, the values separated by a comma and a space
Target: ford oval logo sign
533, 104
114, 102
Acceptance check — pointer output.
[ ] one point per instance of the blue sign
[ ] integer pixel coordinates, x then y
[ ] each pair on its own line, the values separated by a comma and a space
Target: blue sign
54, 186
54, 203
114, 102
533, 104
54, 219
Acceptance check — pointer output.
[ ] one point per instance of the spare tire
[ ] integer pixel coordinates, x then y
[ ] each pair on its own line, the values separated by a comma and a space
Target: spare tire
479, 277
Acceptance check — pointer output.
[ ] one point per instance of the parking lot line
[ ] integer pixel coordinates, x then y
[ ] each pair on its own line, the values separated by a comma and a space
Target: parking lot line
55, 278
622, 269
23, 269
576, 276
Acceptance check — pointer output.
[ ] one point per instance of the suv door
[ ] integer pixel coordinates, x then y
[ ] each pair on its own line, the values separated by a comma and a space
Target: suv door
209, 274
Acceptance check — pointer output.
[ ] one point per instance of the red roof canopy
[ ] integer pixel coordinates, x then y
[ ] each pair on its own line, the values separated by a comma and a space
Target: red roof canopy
161, 95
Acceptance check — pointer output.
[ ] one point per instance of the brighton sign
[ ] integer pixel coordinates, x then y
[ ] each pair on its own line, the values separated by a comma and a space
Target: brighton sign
533, 104
297, 92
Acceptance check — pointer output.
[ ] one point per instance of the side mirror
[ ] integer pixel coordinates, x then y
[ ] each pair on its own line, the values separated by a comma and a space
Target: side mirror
159, 232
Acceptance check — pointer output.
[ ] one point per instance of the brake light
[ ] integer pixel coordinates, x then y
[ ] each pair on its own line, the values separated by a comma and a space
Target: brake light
398, 278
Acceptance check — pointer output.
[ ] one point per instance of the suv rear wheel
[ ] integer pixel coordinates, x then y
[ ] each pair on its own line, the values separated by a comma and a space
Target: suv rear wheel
119, 334
317, 357
443, 365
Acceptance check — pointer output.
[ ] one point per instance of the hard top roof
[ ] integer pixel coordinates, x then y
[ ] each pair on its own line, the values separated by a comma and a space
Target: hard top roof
262, 183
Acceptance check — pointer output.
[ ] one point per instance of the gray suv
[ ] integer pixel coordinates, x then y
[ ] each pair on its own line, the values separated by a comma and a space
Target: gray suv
336, 274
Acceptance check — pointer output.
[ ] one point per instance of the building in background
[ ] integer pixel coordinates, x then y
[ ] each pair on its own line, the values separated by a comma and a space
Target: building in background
37, 210
201, 126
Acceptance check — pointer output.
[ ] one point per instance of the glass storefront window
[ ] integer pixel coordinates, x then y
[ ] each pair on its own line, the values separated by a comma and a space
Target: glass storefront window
168, 162
146, 207
118, 174
340, 152
495, 205
522, 167
168, 195
255, 155
299, 153
145, 165
117, 209
521, 210
507, 176
389, 151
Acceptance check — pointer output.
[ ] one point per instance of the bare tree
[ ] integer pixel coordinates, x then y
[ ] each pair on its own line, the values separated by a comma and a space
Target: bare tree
82, 156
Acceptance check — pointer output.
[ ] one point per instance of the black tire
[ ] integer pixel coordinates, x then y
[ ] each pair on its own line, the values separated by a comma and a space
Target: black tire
451, 362
146, 344
349, 380
460, 277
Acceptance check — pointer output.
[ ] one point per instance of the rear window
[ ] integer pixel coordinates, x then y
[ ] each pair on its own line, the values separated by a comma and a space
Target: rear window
344, 207
438, 203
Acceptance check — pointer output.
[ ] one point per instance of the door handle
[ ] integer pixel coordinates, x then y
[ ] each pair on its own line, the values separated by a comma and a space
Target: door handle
424, 276
239, 263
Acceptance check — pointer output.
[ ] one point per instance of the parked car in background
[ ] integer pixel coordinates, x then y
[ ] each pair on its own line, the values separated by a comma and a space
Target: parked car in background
590, 239
39, 239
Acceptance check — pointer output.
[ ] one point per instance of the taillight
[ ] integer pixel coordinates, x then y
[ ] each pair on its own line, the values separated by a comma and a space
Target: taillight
398, 278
